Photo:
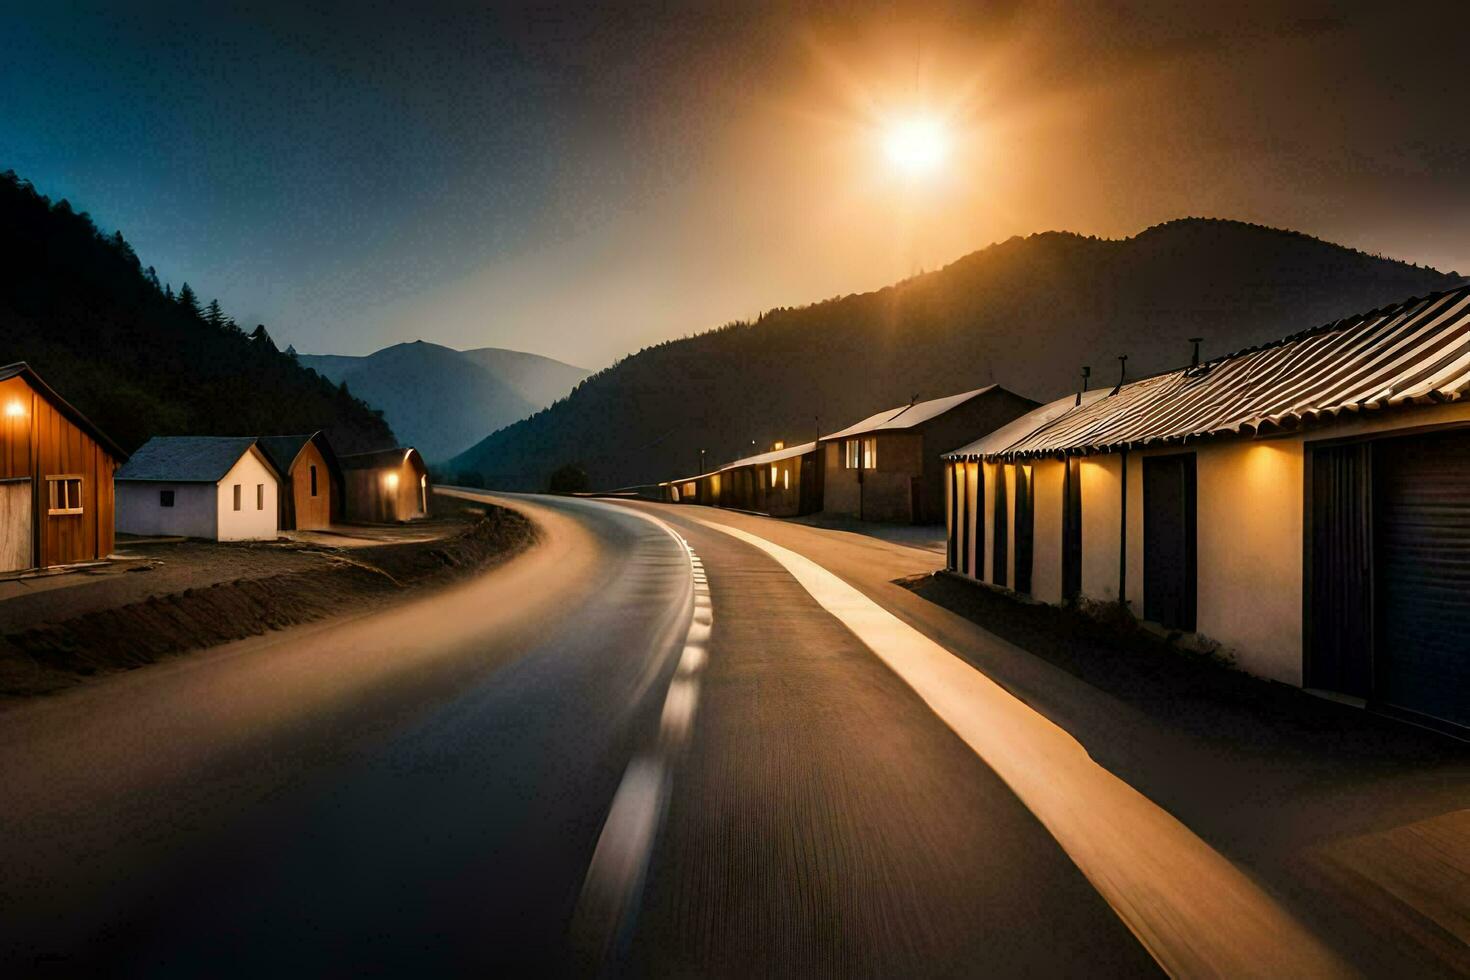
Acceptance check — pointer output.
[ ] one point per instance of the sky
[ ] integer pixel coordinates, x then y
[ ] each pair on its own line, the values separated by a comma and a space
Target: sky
585, 182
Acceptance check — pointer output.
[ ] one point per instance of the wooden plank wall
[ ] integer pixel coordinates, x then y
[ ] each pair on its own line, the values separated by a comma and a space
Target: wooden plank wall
41, 442
311, 512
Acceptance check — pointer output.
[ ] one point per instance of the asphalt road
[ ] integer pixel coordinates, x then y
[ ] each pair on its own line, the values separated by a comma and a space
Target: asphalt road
428, 789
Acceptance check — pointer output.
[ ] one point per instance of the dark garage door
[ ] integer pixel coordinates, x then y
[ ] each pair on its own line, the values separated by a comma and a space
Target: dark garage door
1421, 491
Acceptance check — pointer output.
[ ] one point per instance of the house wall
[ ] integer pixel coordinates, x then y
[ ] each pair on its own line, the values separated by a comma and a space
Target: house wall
959, 426
1046, 515
985, 563
886, 490
37, 441
307, 511
251, 522
1101, 478
374, 496
193, 514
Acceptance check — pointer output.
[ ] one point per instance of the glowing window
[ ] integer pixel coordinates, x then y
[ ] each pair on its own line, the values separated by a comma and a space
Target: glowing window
870, 454
851, 448
64, 494
786, 479
773, 474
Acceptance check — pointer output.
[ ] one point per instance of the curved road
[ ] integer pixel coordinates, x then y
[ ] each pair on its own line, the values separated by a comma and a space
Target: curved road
616, 754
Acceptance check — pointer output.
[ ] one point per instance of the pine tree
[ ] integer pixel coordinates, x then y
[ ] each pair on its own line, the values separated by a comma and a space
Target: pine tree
152, 276
168, 292
188, 300
213, 315
260, 334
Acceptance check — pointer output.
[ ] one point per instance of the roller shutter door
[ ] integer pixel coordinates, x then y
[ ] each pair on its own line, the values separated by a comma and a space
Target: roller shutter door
1421, 497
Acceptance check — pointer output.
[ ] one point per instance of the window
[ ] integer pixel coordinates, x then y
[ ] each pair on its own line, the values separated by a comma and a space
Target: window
786, 479
165, 498
850, 447
773, 474
260, 496
64, 494
313, 479
861, 453
237, 496
870, 454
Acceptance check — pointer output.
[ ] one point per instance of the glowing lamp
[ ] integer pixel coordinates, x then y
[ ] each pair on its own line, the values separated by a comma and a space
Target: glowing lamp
14, 409
392, 481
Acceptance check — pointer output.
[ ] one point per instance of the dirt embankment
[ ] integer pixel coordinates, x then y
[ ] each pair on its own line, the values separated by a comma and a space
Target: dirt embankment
50, 656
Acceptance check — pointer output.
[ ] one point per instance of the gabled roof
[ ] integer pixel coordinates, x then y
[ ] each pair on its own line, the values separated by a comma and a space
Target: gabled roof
379, 458
1017, 429
282, 451
774, 456
186, 459
908, 416
1414, 352
21, 369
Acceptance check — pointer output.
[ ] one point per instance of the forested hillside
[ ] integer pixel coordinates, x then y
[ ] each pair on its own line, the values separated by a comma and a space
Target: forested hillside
1027, 313
138, 358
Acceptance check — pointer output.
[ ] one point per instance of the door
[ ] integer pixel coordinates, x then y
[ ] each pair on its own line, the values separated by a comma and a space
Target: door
1169, 541
15, 525
1024, 529
1340, 571
1421, 562
952, 488
1000, 529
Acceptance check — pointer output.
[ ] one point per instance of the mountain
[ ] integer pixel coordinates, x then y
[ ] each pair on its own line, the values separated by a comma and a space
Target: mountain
1026, 313
137, 360
443, 400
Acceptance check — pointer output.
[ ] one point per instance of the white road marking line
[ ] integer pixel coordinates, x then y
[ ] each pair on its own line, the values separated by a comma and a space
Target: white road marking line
1195, 912
614, 882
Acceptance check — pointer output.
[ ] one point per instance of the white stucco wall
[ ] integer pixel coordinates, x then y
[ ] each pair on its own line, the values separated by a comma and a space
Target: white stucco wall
1102, 488
971, 473
250, 522
1046, 536
139, 510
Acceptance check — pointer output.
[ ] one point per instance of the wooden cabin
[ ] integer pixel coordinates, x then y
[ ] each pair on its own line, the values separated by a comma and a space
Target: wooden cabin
221, 488
387, 486
312, 487
1300, 507
887, 467
56, 470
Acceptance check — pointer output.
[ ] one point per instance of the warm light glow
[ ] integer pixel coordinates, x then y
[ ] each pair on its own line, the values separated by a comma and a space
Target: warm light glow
917, 146
14, 409
392, 481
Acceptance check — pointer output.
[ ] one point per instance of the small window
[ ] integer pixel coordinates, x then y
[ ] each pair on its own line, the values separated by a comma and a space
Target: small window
786, 479
64, 494
165, 498
870, 454
313, 479
773, 474
260, 496
237, 496
851, 448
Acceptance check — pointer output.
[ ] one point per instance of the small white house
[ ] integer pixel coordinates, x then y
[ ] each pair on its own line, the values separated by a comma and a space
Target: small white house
217, 487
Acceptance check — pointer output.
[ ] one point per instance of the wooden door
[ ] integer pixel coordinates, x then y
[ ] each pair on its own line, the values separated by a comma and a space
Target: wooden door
15, 525
1339, 571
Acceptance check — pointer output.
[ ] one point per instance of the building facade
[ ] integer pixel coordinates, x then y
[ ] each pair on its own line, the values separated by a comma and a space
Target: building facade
1302, 504
220, 488
56, 477
385, 487
887, 467
312, 491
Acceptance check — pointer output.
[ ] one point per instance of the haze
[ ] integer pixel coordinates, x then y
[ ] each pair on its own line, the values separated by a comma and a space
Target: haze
581, 184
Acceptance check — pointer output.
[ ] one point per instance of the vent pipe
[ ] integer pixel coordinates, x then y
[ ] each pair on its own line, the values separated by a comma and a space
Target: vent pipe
1194, 360
1122, 372
1086, 373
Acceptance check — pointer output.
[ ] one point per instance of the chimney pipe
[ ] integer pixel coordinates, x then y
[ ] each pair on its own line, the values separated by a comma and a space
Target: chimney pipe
1086, 373
1122, 371
1196, 341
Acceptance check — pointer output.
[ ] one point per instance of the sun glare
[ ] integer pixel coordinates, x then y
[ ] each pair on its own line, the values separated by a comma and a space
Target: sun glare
916, 147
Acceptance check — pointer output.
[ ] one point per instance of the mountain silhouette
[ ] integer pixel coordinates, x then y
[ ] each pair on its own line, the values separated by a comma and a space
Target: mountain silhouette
1026, 313
442, 400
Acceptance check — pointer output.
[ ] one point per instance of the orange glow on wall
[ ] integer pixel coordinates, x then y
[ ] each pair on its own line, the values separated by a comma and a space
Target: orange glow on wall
14, 408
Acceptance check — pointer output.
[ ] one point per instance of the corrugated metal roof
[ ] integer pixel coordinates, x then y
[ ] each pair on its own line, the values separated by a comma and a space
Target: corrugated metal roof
185, 459
1017, 429
774, 456
907, 416
1417, 351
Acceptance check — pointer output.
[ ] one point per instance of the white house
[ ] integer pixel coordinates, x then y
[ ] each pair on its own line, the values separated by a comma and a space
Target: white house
218, 487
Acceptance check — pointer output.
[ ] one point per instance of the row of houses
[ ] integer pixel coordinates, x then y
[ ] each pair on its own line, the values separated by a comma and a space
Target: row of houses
66, 488
1303, 505
886, 467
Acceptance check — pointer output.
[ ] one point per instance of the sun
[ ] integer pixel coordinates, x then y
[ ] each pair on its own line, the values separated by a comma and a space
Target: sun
917, 146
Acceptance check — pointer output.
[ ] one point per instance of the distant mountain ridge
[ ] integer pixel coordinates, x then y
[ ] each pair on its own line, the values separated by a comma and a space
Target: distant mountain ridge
443, 400
1026, 313
135, 358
